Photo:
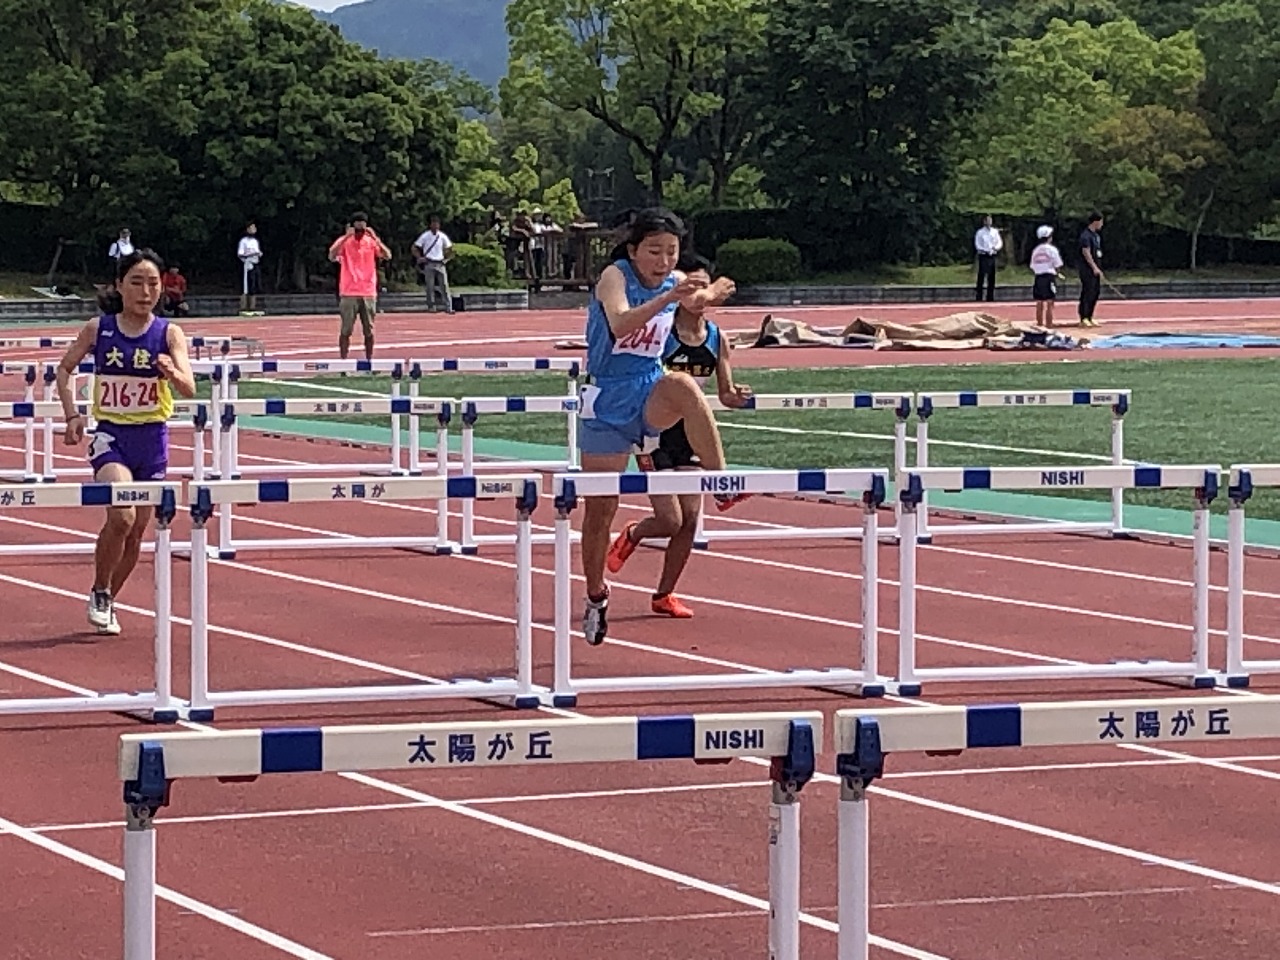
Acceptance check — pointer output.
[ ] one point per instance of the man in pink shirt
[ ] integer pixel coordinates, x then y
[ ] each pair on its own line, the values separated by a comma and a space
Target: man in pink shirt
357, 253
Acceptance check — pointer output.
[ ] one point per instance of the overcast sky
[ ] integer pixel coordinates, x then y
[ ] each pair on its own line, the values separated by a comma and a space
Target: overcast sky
324, 4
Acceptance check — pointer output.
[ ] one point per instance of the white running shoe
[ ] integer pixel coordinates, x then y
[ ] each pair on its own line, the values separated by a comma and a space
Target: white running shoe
101, 609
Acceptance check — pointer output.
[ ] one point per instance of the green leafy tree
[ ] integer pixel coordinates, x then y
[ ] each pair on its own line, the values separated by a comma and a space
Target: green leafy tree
1091, 116
641, 69
859, 98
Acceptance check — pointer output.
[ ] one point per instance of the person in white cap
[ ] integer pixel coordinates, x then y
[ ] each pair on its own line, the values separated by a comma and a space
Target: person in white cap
1046, 264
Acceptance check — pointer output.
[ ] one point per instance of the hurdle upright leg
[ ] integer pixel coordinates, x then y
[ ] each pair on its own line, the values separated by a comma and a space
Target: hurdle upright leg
199, 692
562, 685
908, 533
1117, 459
853, 893
468, 537
139, 883
164, 710
870, 588
1200, 590
525, 697
784, 873
1237, 674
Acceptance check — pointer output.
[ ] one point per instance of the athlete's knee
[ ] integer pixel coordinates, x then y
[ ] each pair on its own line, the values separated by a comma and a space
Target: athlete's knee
120, 521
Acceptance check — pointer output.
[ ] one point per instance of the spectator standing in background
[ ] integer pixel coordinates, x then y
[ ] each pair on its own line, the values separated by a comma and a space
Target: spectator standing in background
357, 253
1046, 262
250, 254
431, 252
174, 301
1091, 275
988, 244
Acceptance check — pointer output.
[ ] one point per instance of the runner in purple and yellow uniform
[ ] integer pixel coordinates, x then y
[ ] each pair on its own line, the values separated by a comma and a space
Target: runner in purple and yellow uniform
139, 359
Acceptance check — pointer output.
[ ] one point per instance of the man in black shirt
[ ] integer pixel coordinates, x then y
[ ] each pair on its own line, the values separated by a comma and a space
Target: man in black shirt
1090, 266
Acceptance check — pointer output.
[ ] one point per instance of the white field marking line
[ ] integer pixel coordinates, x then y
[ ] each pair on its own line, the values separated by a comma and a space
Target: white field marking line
410, 805
827, 778
740, 914
888, 438
411, 344
508, 799
566, 924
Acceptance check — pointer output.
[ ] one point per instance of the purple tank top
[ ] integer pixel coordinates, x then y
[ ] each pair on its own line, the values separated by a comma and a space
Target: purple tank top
121, 356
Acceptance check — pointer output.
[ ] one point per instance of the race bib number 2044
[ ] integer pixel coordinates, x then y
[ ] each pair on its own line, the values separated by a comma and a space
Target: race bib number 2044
647, 341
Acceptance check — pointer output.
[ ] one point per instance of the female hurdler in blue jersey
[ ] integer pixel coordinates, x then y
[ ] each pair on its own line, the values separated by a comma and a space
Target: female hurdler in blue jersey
629, 398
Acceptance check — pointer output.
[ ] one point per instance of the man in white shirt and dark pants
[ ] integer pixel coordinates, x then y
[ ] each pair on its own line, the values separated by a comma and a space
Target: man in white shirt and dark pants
988, 243
432, 251
250, 254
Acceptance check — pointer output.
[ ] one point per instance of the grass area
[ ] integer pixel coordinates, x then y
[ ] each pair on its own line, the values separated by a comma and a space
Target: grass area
962, 274
1184, 411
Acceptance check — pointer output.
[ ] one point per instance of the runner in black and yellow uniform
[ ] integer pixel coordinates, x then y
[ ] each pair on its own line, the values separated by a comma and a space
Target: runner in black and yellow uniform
694, 347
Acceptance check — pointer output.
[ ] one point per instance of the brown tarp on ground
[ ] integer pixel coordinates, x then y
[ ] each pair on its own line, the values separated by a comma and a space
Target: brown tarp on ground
970, 330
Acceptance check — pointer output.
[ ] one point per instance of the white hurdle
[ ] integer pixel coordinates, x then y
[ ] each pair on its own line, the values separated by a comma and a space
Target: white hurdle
863, 739
147, 766
899, 404
862, 679
158, 703
1244, 479
524, 490
1117, 400
1202, 481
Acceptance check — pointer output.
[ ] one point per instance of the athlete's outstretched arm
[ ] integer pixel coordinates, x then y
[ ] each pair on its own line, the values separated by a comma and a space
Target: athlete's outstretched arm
611, 291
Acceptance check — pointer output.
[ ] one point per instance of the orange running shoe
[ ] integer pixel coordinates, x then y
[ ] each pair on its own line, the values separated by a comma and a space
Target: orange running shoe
727, 501
671, 606
622, 548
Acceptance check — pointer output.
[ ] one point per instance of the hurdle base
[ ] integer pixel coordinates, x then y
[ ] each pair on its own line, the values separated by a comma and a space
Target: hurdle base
1135, 670
1013, 529
906, 689
137, 705
865, 691
1124, 535
1234, 681
814, 679
564, 700
500, 690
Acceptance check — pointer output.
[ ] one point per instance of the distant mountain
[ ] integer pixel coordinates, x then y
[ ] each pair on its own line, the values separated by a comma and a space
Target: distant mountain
469, 34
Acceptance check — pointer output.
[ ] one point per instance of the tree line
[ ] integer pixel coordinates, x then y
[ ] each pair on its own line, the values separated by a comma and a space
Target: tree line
872, 122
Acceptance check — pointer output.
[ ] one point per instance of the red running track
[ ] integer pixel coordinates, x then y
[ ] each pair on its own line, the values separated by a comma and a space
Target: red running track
536, 333
1111, 851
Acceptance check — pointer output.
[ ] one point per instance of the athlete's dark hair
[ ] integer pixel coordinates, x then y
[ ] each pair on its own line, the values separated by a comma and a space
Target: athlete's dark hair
110, 301
690, 262
1095, 217
646, 223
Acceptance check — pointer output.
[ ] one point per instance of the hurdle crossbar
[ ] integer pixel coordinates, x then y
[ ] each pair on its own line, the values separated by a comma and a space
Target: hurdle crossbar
147, 767
1201, 481
524, 490
1243, 481
471, 409
899, 404
164, 497
862, 678
864, 738
1118, 401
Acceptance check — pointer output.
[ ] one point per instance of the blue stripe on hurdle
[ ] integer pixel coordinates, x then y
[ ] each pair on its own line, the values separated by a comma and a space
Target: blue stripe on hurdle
542, 363
364, 366
516, 405
275, 406
1082, 397
46, 342
862, 401
463, 488
750, 404
299, 750
977, 478
450, 365
811, 481
1146, 476
633, 483
665, 738
270, 366
968, 399
273, 491
993, 726
95, 495
24, 409
401, 405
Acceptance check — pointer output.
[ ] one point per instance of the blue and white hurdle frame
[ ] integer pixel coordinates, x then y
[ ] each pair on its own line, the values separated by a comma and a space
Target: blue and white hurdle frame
861, 678
1200, 481
164, 497
899, 404
1242, 482
927, 403
524, 490
865, 738
149, 765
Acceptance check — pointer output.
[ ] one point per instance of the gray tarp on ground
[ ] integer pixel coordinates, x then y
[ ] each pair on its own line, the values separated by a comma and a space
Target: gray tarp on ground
970, 330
